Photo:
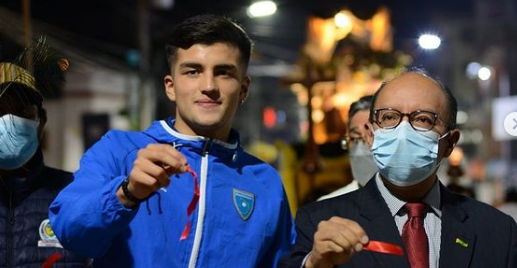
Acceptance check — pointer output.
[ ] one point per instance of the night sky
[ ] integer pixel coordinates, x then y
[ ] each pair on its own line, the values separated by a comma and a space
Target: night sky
115, 21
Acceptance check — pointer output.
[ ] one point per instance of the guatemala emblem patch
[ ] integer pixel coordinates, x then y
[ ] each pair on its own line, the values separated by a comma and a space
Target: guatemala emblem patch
244, 203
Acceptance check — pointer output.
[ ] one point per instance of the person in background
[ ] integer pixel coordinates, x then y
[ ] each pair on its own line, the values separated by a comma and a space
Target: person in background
361, 158
510, 203
27, 185
405, 217
182, 193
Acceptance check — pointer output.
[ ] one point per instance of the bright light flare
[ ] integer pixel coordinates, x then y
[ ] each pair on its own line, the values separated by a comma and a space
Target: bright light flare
429, 41
262, 9
484, 73
342, 20
473, 69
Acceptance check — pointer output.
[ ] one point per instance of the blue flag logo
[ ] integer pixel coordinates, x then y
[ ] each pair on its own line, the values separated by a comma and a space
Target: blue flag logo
244, 203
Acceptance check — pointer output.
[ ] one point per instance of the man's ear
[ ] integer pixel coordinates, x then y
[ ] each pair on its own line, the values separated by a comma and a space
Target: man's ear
454, 137
245, 89
168, 82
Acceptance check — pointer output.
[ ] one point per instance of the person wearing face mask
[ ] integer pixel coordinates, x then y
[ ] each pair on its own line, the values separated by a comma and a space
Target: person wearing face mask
27, 185
361, 159
404, 216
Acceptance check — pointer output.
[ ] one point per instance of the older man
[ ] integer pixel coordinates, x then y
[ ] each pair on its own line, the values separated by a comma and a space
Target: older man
405, 217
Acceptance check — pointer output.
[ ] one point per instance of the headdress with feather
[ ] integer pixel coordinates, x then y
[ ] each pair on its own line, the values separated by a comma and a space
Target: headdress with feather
38, 67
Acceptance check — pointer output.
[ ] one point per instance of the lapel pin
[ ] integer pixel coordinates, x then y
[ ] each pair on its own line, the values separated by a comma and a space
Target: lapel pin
462, 243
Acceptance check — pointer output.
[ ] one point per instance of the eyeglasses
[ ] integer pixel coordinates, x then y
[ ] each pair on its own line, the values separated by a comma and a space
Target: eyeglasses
389, 118
350, 141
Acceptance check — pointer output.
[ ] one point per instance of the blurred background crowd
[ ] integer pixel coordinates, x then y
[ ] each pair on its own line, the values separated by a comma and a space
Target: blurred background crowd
312, 60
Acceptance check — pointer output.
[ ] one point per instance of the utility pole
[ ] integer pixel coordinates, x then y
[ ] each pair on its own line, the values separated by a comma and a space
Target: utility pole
27, 28
139, 105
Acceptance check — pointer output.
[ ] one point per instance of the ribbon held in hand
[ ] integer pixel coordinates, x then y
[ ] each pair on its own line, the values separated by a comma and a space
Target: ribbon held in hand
192, 205
384, 247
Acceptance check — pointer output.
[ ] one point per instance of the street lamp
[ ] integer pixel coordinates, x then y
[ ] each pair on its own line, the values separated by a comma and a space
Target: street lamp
476, 70
429, 41
262, 9
484, 73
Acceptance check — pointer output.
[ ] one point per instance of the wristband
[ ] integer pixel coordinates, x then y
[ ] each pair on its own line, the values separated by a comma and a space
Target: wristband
128, 194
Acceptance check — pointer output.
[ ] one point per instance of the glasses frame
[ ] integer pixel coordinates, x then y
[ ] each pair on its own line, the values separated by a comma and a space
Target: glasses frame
375, 118
347, 141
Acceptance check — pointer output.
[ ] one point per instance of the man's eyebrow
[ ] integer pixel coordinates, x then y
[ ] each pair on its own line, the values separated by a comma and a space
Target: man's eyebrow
190, 65
354, 130
196, 65
226, 66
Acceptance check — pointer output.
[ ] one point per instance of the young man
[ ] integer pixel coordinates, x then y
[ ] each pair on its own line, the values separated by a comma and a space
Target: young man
27, 185
361, 158
405, 217
182, 193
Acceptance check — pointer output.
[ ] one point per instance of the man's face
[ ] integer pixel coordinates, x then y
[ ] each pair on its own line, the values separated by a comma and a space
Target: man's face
411, 92
207, 83
357, 131
19, 137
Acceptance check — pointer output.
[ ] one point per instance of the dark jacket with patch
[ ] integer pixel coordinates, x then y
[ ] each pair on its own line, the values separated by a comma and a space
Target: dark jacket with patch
473, 235
24, 241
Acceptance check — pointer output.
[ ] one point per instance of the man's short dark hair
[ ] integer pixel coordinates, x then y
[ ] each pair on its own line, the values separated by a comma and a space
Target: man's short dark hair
207, 30
452, 104
364, 103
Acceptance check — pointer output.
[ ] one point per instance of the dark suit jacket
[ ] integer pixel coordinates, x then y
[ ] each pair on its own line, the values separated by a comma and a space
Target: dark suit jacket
490, 235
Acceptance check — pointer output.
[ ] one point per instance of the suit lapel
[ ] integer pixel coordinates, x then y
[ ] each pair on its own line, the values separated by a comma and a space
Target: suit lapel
457, 241
380, 225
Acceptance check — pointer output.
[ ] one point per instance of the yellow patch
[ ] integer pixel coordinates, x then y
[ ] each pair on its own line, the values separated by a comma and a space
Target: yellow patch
49, 231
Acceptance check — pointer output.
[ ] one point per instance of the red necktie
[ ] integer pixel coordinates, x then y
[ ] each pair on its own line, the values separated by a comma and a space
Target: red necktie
414, 236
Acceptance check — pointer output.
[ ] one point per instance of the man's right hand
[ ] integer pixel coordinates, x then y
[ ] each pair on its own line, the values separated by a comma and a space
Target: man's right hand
151, 171
335, 241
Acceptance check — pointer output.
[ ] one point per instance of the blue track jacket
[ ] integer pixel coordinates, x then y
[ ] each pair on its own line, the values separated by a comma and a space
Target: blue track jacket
242, 218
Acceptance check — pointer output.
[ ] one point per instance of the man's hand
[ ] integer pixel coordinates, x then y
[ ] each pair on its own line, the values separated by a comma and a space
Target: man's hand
335, 241
151, 171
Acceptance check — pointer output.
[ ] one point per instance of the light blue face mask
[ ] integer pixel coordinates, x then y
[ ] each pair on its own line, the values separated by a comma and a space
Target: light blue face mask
405, 156
361, 162
18, 141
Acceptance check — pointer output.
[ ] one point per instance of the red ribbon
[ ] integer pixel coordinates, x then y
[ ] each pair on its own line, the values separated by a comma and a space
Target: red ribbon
192, 205
51, 260
384, 247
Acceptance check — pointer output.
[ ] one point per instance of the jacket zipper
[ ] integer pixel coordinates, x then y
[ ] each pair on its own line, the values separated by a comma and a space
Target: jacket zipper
201, 204
207, 146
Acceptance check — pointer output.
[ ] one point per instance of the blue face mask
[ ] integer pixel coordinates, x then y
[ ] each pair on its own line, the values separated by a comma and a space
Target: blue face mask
361, 162
405, 156
18, 141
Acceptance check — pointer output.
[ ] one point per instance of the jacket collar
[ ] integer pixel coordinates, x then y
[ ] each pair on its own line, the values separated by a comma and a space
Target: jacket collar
380, 225
164, 133
457, 239
19, 187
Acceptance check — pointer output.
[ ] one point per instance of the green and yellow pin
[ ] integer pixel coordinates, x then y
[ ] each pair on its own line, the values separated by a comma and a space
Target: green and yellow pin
462, 243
